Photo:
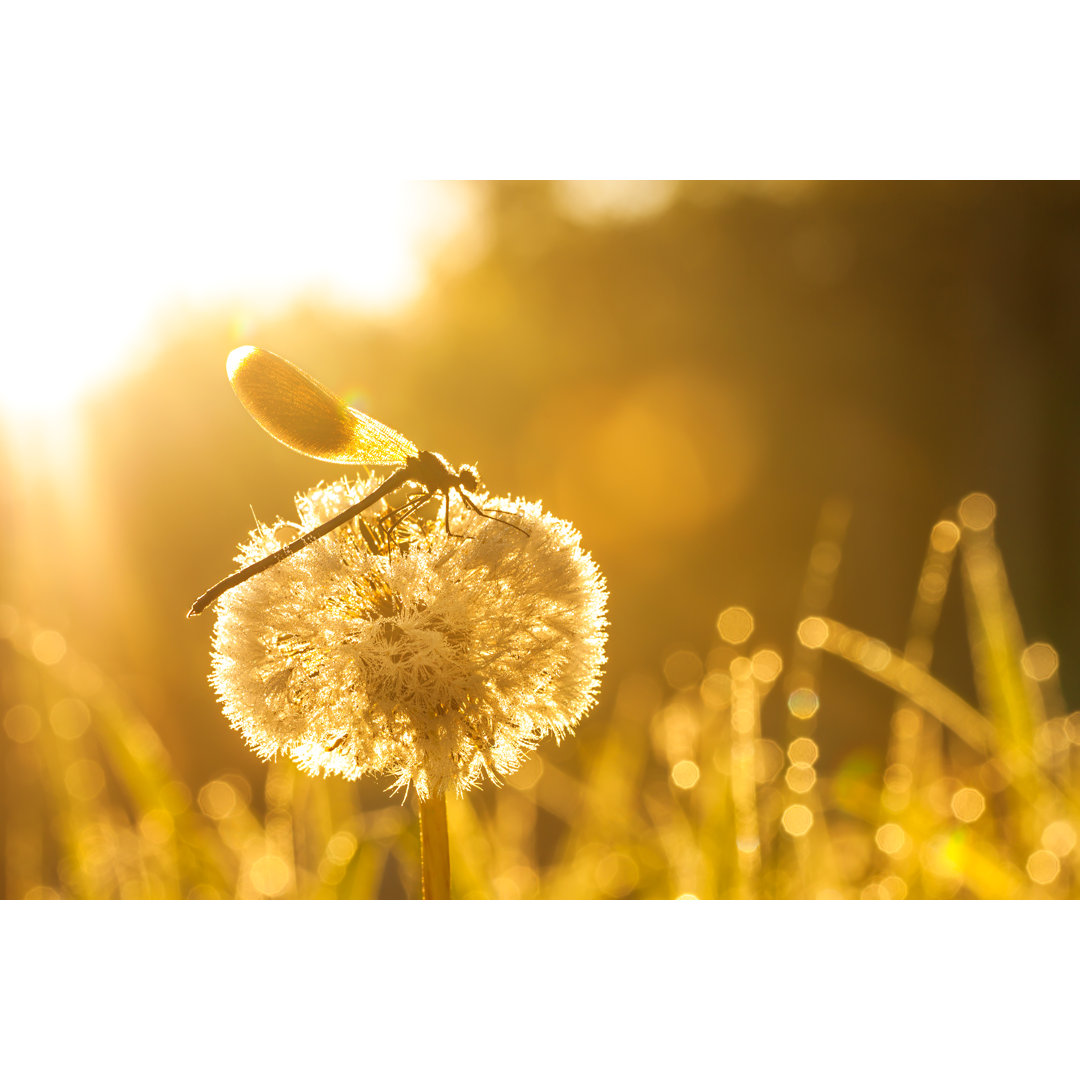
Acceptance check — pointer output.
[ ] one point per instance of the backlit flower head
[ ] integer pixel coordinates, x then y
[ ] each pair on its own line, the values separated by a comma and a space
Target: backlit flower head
436, 659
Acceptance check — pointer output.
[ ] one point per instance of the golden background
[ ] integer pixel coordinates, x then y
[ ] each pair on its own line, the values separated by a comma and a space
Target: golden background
750, 398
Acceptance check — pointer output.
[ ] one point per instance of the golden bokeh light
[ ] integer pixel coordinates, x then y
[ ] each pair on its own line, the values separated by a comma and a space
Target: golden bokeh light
1043, 866
803, 703
766, 665
735, 625
685, 774
797, 819
813, 632
968, 804
218, 799
944, 536
341, 847
800, 778
891, 839
977, 511
742, 668
270, 875
1039, 661
802, 751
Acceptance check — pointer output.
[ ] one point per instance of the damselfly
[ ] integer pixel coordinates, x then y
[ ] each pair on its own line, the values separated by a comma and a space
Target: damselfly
300, 412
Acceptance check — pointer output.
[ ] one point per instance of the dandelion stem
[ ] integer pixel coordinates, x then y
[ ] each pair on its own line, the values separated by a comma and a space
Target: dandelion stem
434, 849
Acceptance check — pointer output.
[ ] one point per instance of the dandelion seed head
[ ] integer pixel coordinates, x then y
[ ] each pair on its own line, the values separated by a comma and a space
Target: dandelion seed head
437, 660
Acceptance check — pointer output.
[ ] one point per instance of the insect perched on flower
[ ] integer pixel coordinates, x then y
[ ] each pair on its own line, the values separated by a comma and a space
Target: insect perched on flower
436, 648
307, 417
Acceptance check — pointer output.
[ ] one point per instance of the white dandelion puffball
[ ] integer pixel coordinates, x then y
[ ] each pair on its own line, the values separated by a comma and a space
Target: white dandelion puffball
437, 659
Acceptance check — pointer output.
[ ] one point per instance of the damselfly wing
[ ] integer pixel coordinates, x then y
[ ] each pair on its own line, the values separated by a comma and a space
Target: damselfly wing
301, 413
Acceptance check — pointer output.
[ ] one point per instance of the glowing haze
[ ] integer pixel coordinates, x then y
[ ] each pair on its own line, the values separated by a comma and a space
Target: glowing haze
161, 164
97, 268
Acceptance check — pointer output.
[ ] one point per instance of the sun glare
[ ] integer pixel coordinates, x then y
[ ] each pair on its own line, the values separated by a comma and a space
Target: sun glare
99, 285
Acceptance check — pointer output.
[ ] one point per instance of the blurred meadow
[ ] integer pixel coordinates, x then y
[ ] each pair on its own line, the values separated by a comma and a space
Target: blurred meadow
819, 437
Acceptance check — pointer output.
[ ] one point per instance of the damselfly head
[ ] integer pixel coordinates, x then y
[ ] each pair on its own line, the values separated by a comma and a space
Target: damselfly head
468, 479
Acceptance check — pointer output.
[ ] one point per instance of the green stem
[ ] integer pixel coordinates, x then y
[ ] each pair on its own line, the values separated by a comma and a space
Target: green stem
434, 849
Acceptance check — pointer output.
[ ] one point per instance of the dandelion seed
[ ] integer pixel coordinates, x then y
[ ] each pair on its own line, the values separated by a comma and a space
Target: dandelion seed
436, 659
